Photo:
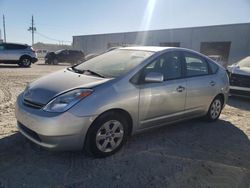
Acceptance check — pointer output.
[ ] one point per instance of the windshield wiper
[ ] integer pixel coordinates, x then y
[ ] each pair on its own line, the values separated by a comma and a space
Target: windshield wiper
84, 71
94, 73
76, 70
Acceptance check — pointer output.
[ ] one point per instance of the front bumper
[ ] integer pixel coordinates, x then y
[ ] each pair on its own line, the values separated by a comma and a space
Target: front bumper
240, 91
55, 131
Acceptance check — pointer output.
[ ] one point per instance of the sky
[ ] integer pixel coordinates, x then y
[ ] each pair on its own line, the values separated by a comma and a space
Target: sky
59, 20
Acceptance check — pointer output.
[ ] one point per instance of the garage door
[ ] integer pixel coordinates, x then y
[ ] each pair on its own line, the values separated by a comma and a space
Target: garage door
216, 48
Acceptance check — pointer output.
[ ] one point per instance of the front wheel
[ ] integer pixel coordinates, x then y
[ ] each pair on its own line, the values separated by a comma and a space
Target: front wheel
107, 135
214, 110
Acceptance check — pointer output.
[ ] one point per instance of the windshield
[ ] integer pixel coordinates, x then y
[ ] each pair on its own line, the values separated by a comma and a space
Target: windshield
244, 62
115, 62
58, 51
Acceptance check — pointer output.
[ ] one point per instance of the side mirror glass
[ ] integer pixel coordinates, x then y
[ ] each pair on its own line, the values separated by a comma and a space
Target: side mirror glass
154, 77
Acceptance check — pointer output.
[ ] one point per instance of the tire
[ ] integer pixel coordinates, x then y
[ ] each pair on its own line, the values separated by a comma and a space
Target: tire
214, 110
106, 135
54, 62
25, 61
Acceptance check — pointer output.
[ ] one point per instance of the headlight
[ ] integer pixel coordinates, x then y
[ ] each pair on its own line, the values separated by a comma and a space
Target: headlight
65, 101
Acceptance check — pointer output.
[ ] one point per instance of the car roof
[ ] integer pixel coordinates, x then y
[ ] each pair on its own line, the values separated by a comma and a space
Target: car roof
15, 43
148, 48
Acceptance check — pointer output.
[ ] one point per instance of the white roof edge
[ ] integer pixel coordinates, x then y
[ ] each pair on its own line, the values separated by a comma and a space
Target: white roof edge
147, 48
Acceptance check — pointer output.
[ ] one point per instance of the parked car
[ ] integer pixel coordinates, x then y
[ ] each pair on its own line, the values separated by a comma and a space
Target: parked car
239, 74
70, 56
99, 103
41, 53
21, 54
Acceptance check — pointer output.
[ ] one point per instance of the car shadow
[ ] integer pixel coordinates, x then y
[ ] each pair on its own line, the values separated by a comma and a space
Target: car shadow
239, 102
173, 152
2, 66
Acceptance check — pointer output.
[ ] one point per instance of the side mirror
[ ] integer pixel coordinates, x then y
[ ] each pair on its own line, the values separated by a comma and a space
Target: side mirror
154, 77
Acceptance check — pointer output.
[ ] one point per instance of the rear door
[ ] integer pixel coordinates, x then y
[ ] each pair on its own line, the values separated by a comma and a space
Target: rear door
72, 55
201, 84
14, 51
63, 56
164, 102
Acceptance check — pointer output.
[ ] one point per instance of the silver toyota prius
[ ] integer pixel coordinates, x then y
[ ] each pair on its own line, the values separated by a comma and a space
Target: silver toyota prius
97, 104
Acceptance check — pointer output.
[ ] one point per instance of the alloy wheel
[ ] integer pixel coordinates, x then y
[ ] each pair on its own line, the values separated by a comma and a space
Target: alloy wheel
109, 136
215, 109
26, 62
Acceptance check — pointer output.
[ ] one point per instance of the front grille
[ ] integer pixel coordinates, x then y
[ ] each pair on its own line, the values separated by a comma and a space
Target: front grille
32, 104
239, 80
29, 132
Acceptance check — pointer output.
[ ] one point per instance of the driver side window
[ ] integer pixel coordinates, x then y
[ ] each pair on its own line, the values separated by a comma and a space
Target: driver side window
169, 65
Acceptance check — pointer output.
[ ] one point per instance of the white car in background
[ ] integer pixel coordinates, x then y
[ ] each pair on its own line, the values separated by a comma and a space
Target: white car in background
21, 54
239, 74
41, 53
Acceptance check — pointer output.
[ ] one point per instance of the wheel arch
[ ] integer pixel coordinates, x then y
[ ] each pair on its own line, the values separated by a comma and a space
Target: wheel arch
221, 95
25, 55
123, 112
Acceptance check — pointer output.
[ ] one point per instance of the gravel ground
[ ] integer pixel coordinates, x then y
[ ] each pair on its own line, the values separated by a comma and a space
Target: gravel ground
188, 154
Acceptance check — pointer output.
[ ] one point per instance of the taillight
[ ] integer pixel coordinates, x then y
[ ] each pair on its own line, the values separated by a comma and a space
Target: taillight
32, 49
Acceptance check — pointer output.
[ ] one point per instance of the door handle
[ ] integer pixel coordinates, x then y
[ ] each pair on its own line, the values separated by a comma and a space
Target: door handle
180, 88
212, 83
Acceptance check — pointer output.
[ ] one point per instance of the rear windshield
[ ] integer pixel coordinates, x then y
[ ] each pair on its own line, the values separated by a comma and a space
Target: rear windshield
115, 63
213, 66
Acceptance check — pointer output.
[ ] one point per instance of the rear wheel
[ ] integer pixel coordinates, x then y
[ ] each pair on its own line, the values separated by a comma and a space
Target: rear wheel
107, 135
215, 109
55, 61
25, 62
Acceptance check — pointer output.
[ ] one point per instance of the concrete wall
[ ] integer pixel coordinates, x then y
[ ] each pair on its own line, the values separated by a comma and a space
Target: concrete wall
237, 34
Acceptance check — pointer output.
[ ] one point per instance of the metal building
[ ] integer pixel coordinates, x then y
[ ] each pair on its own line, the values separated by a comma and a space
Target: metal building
231, 42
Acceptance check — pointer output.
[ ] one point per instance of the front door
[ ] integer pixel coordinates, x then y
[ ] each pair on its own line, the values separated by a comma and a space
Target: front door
163, 102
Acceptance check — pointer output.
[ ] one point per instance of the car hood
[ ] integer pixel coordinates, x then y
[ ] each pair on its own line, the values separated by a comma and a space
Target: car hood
239, 70
44, 89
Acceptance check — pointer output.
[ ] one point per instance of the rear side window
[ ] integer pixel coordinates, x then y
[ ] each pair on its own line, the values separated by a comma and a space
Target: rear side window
75, 52
1, 47
15, 46
213, 66
65, 52
195, 65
